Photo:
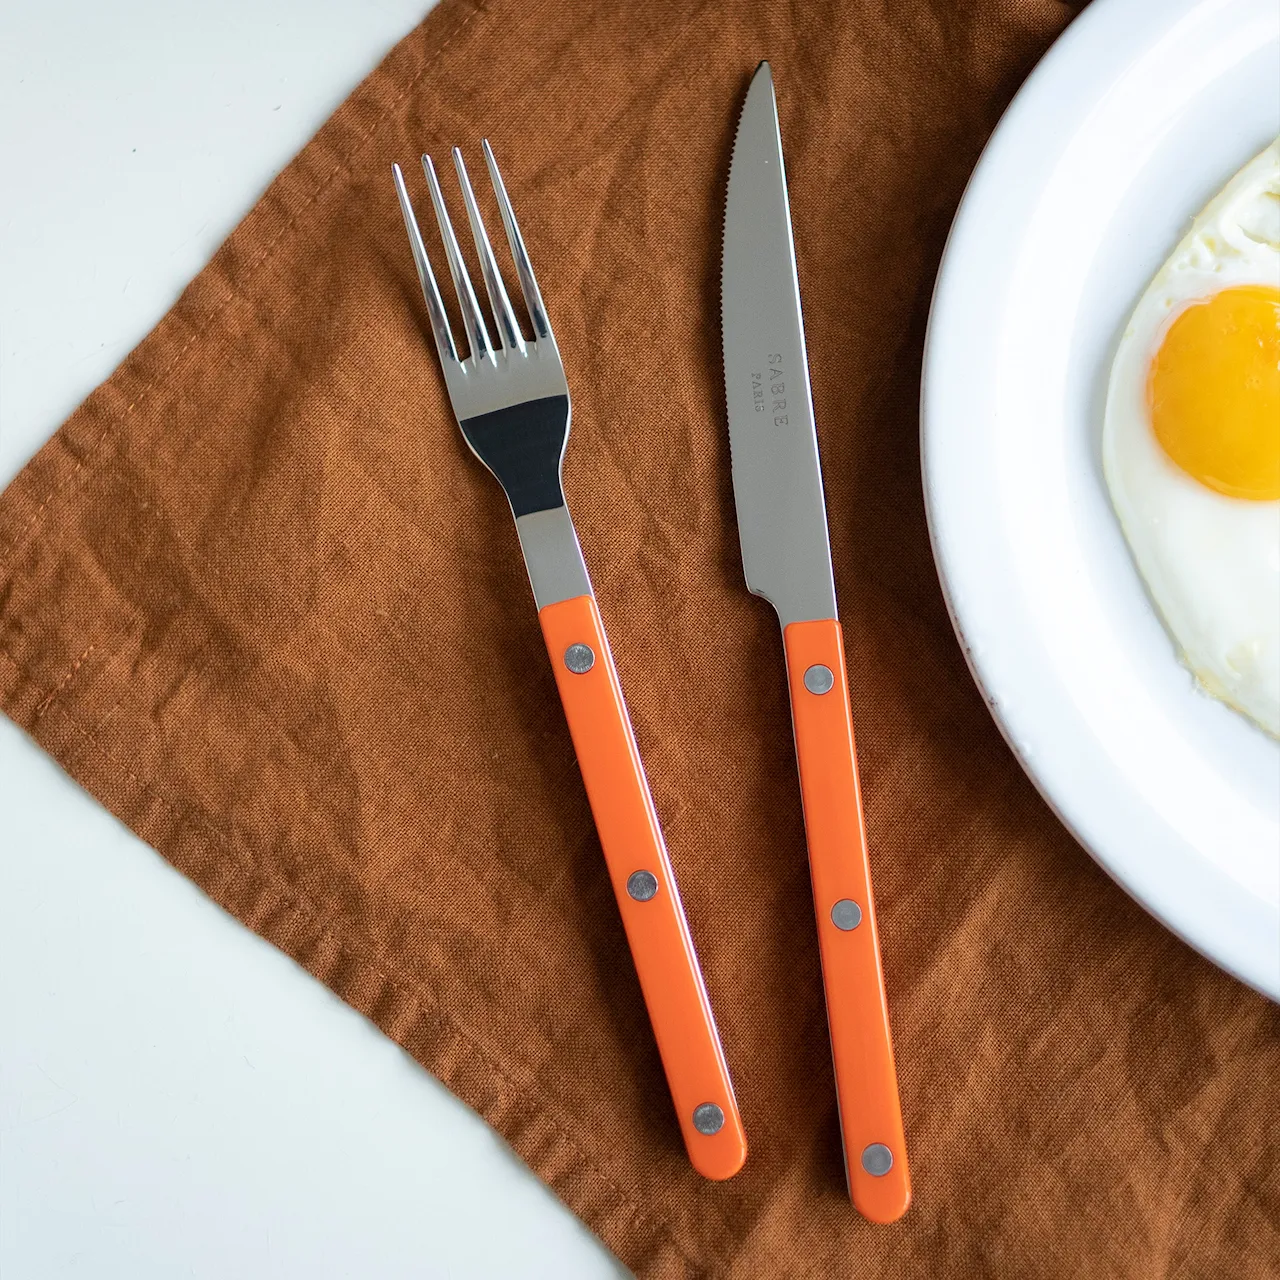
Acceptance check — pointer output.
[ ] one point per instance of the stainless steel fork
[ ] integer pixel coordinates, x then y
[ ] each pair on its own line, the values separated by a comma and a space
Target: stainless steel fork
511, 400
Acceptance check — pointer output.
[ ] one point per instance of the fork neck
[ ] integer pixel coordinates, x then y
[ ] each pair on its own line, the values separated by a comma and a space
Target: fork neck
552, 555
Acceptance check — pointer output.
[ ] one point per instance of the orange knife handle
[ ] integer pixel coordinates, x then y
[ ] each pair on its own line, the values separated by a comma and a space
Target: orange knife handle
645, 887
866, 1082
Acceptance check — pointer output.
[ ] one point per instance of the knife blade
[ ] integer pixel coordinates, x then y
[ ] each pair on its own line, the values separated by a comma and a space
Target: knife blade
786, 556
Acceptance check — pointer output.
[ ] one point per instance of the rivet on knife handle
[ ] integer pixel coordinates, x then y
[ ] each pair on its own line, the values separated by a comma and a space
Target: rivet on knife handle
861, 1048
645, 887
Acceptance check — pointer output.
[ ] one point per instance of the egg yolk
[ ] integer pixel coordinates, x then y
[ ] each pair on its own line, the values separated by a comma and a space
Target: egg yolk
1214, 392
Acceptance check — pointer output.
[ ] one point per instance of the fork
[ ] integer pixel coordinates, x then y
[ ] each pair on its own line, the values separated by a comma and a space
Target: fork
511, 401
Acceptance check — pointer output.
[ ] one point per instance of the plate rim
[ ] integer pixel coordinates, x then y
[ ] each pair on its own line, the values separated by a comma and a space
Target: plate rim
1214, 914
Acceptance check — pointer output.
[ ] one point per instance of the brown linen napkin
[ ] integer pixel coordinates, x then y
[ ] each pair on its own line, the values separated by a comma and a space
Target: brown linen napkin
257, 597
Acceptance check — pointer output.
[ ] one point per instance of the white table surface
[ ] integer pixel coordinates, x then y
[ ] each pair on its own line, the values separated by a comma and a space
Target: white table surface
177, 1098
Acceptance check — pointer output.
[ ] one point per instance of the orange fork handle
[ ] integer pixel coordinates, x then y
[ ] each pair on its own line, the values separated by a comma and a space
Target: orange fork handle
645, 887
866, 1082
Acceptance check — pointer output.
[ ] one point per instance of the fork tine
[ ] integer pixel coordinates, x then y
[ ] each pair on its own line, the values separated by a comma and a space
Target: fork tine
435, 306
532, 296
472, 316
508, 325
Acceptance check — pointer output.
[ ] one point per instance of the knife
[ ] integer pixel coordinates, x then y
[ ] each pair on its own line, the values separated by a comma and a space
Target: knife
782, 528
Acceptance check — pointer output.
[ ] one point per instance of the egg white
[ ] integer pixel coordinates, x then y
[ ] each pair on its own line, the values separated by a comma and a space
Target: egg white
1210, 562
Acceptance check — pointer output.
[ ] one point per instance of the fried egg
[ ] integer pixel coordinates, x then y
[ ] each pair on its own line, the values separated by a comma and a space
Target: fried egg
1191, 442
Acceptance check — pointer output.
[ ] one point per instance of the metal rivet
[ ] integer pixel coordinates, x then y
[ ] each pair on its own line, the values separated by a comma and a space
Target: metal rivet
877, 1159
818, 679
708, 1118
642, 885
846, 914
579, 658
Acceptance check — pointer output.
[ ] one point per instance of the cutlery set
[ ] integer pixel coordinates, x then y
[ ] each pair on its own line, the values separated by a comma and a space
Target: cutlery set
510, 396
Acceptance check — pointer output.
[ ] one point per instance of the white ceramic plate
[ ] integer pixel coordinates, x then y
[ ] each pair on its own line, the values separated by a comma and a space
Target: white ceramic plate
1140, 112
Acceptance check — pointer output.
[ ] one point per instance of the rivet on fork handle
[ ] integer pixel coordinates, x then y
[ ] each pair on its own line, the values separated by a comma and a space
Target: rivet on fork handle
579, 659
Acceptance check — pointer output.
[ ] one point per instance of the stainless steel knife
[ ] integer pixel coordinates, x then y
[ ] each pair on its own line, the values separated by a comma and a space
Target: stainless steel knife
782, 527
